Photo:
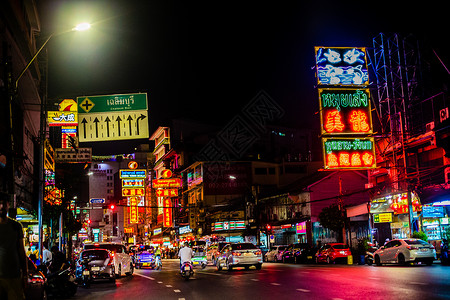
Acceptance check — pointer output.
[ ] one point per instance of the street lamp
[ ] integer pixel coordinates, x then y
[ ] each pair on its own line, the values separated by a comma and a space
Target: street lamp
43, 116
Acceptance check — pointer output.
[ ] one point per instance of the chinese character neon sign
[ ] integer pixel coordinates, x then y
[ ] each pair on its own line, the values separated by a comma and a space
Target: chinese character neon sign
345, 111
344, 66
349, 153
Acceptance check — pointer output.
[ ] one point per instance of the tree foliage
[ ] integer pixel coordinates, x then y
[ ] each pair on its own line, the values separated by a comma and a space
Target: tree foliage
332, 218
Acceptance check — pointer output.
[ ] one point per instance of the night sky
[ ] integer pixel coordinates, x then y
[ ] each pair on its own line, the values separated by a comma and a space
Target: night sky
206, 59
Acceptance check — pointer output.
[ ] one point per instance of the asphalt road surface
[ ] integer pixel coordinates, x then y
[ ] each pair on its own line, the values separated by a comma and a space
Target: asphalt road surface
278, 281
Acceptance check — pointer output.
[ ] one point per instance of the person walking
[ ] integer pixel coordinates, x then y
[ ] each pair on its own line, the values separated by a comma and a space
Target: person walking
46, 254
13, 259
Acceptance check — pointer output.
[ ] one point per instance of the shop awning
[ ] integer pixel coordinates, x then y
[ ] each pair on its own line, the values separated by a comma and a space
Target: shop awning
357, 210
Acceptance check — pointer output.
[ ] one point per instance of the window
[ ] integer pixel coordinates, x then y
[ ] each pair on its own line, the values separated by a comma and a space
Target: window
260, 171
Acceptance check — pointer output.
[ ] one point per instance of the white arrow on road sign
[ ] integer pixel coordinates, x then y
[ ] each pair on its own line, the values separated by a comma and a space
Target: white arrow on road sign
110, 126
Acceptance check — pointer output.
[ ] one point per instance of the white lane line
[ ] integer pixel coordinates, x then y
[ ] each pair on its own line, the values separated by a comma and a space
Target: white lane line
274, 283
254, 279
151, 278
303, 290
177, 291
419, 283
215, 274
181, 299
168, 285
159, 281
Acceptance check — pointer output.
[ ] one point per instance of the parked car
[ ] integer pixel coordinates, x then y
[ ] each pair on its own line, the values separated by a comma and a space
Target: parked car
36, 289
239, 255
297, 253
214, 250
101, 264
403, 251
122, 261
333, 252
274, 255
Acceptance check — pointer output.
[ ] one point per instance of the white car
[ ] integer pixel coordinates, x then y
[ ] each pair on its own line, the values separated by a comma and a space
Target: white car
239, 255
275, 255
403, 251
123, 264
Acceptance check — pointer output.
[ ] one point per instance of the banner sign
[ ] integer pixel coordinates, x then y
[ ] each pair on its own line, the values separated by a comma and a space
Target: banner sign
167, 216
344, 66
167, 183
382, 218
345, 111
167, 193
62, 118
301, 228
131, 183
133, 192
133, 174
349, 153
228, 225
134, 216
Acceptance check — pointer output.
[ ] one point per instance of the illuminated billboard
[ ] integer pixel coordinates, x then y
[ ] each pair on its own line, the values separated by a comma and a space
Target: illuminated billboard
62, 118
343, 66
345, 111
349, 153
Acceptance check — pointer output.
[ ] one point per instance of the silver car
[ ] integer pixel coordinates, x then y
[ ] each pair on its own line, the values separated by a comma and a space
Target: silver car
275, 254
239, 255
403, 251
101, 264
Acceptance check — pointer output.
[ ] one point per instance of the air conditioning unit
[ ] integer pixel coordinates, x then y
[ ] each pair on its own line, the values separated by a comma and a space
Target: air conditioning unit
429, 126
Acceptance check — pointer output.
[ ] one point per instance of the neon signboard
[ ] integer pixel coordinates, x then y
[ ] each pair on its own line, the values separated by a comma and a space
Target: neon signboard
345, 111
349, 153
132, 174
344, 66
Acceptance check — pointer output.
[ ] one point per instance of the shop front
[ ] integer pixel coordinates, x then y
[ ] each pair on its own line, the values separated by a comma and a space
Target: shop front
229, 231
391, 217
435, 223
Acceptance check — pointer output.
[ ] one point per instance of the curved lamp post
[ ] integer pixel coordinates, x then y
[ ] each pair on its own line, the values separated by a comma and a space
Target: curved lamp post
79, 27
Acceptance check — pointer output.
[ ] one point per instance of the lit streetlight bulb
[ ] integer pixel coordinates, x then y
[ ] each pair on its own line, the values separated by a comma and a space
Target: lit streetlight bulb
82, 27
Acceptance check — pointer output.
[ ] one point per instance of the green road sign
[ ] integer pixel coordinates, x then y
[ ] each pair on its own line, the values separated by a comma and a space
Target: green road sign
110, 103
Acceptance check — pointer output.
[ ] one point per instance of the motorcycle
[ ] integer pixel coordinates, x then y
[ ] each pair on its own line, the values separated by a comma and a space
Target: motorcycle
62, 283
369, 254
85, 272
186, 270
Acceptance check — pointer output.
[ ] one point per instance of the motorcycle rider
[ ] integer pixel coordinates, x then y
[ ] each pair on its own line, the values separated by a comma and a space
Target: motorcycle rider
185, 254
157, 256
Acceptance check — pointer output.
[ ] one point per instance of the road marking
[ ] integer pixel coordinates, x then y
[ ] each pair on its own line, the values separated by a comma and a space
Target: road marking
303, 290
159, 281
151, 278
254, 279
168, 285
274, 283
178, 291
215, 274
181, 299
337, 299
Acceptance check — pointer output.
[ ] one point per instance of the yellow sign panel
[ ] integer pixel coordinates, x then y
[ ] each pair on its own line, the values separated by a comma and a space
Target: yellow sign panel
62, 118
382, 218
68, 105
109, 126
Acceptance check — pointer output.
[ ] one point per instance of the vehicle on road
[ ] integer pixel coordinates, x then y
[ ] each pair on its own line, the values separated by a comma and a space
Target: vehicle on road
332, 253
297, 253
186, 270
144, 259
123, 263
274, 255
239, 255
36, 288
95, 264
214, 250
199, 258
61, 283
404, 251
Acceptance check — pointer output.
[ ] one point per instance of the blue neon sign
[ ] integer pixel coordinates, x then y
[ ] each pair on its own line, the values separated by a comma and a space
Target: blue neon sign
342, 66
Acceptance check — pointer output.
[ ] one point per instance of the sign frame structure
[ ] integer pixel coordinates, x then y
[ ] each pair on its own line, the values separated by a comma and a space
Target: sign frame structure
346, 151
341, 66
345, 111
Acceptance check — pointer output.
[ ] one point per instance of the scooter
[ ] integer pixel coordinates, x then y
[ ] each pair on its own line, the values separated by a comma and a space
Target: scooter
369, 254
186, 270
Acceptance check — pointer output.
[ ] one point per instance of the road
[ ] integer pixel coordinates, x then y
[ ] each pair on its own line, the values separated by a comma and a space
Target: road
279, 281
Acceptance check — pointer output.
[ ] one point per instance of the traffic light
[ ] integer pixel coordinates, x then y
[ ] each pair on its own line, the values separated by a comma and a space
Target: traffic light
89, 221
112, 206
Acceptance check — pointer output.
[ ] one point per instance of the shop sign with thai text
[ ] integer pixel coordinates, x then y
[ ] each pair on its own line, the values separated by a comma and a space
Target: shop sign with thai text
349, 153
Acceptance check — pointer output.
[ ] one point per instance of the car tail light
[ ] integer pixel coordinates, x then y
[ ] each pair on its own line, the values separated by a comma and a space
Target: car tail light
412, 247
258, 252
236, 253
110, 263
